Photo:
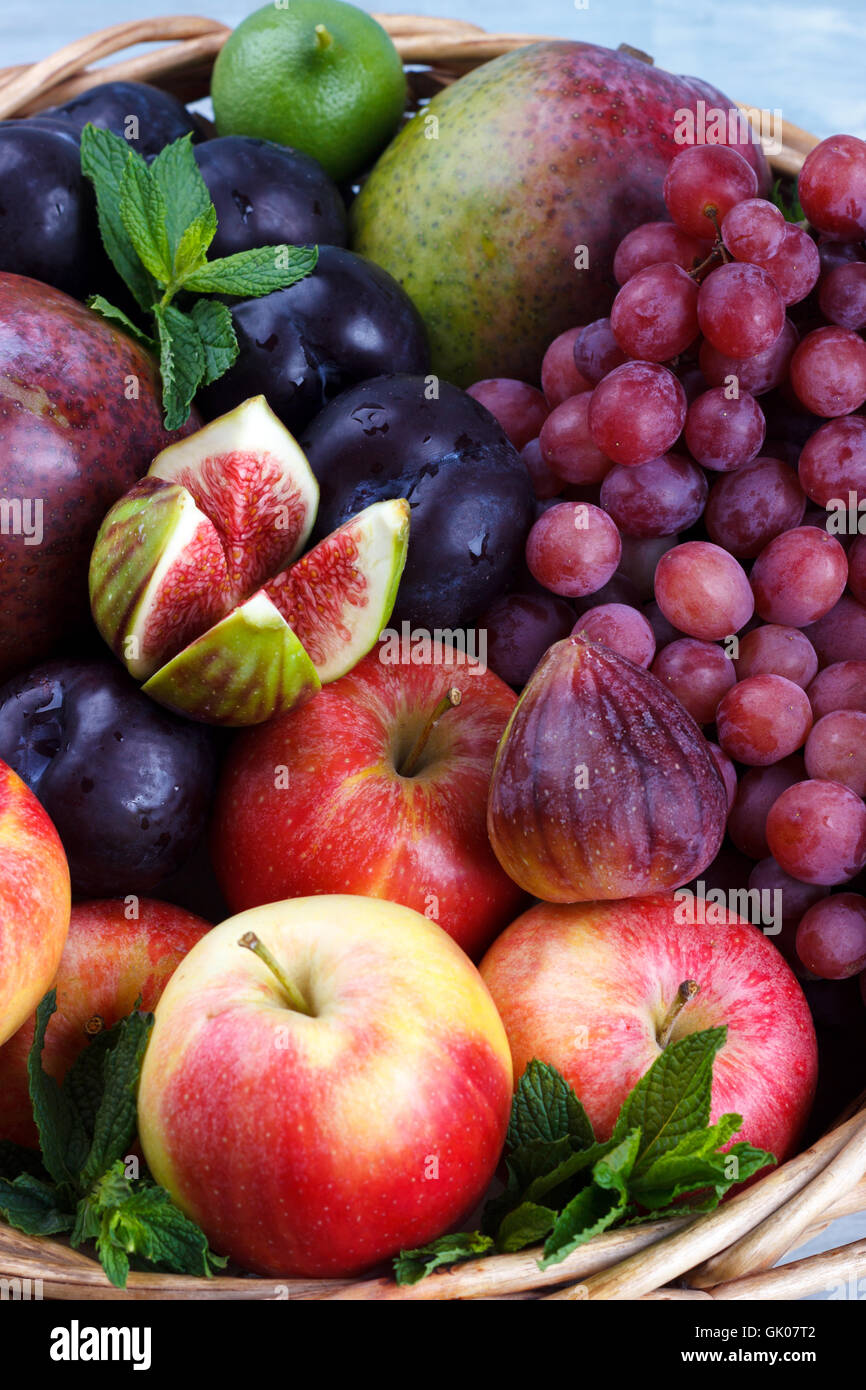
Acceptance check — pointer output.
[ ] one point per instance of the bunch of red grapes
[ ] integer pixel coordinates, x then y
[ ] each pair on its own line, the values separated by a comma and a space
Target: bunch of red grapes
687, 454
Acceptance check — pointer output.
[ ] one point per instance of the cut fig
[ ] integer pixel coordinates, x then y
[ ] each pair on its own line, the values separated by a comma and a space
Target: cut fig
252, 480
158, 575
244, 670
339, 596
192, 583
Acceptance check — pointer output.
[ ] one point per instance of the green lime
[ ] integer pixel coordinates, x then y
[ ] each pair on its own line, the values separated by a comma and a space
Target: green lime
319, 75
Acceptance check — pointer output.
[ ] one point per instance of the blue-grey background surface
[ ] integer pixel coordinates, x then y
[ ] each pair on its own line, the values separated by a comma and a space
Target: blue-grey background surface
804, 57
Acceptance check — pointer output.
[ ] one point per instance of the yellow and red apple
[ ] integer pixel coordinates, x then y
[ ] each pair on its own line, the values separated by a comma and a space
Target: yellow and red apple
592, 989
34, 902
319, 1110
117, 951
345, 795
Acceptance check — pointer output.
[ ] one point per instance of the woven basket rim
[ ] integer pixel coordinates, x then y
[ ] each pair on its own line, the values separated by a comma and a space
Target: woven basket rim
727, 1255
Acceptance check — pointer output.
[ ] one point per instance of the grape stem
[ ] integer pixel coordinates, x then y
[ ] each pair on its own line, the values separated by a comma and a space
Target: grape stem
449, 700
687, 990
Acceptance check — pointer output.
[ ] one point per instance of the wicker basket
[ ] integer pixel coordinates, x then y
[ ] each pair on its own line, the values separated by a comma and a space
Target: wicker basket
729, 1254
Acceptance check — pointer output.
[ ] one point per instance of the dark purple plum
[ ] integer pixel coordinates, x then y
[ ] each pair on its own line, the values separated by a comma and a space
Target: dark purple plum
42, 121
468, 488
520, 628
302, 346
127, 784
148, 118
47, 212
266, 194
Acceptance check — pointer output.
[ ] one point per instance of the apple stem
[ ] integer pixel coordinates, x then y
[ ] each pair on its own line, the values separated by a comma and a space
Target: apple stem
449, 700
291, 991
323, 38
94, 1025
687, 990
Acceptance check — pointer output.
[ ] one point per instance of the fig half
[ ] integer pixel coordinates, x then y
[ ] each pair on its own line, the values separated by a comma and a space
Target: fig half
603, 786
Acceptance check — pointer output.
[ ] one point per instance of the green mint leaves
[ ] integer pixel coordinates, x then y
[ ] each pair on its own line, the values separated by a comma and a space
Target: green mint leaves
563, 1187
157, 222
786, 197
81, 1185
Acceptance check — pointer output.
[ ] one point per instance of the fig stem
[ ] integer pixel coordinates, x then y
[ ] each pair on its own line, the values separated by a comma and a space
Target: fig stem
687, 990
449, 700
297, 1002
323, 38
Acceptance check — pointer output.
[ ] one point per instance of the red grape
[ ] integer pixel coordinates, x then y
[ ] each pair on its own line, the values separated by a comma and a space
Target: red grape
723, 433
746, 509
703, 591
703, 183
828, 371
567, 445
836, 749
654, 242
757, 374
857, 569
833, 461
727, 770
559, 375
831, 937
795, 268
665, 632
752, 229
596, 351
763, 719
621, 628
520, 409
520, 628
637, 412
545, 483
698, 673
842, 295
774, 650
794, 897
832, 187
758, 789
840, 686
740, 310
654, 316
799, 576
573, 549
841, 634
816, 831
658, 498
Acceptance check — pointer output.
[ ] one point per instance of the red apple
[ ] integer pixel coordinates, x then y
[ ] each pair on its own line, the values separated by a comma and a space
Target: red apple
111, 958
34, 901
328, 798
589, 989
342, 1095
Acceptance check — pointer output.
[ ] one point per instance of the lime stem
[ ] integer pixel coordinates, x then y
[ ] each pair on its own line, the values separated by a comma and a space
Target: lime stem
297, 1002
449, 700
323, 38
687, 990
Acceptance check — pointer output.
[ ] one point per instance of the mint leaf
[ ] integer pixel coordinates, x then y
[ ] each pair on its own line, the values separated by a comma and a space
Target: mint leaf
216, 330
104, 157
143, 212
587, 1214
252, 273
412, 1265
526, 1225
33, 1206
61, 1135
113, 314
115, 1120
545, 1107
673, 1098
182, 363
185, 194
193, 245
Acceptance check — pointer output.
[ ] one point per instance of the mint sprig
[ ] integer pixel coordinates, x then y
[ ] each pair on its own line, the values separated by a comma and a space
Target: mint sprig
563, 1186
157, 222
80, 1185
